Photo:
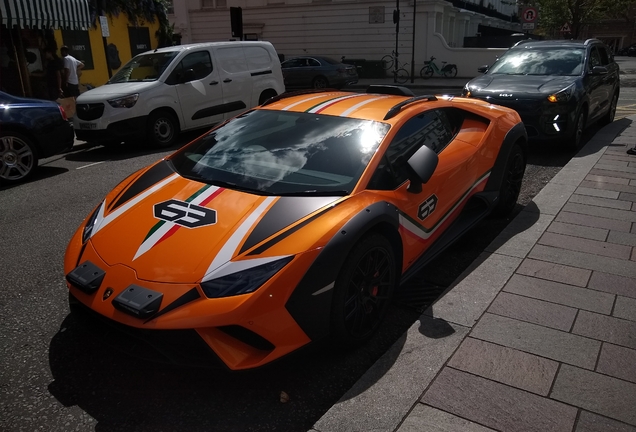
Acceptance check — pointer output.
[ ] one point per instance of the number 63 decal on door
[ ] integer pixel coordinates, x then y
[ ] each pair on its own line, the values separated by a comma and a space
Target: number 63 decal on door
427, 207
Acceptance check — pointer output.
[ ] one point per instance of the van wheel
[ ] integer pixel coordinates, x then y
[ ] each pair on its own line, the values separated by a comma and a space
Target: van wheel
266, 95
162, 129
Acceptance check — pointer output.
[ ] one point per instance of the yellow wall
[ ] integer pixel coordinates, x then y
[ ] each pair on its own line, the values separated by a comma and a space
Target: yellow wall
118, 26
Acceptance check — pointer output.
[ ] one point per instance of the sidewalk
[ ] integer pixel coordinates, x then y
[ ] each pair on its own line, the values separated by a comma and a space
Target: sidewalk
539, 334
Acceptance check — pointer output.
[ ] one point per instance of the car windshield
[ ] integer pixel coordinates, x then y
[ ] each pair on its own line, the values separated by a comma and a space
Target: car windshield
540, 61
144, 67
283, 153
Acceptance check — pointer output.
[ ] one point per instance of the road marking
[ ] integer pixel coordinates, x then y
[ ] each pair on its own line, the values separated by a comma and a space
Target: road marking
90, 165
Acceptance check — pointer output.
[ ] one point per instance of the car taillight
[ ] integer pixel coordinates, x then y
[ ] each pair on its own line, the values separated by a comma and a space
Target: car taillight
63, 112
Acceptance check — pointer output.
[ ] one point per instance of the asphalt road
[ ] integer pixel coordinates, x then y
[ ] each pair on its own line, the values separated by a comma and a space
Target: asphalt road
56, 377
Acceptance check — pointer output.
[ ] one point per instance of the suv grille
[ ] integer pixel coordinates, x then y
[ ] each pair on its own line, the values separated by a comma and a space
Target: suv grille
89, 111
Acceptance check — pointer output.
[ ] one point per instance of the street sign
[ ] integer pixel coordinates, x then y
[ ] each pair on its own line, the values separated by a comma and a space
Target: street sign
527, 26
103, 22
565, 28
529, 15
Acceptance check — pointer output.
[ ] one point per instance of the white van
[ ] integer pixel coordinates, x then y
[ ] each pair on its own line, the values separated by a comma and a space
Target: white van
159, 93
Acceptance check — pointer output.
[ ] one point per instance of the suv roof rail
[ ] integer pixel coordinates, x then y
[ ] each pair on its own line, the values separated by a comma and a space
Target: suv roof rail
296, 93
396, 108
590, 40
390, 90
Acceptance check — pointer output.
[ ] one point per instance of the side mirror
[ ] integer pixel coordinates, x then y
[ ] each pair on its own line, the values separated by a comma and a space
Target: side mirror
599, 70
423, 164
482, 69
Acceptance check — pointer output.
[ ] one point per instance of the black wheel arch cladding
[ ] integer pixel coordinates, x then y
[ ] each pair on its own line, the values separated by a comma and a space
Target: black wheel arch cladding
516, 135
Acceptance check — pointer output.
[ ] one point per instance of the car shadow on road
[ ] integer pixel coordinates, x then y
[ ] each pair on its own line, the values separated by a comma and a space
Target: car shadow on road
43, 172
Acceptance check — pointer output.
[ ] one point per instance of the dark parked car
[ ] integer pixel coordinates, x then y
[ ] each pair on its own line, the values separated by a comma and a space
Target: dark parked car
30, 129
628, 51
558, 87
317, 72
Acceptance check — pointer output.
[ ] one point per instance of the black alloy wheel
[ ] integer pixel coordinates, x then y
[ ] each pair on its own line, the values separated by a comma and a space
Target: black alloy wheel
511, 184
363, 291
18, 157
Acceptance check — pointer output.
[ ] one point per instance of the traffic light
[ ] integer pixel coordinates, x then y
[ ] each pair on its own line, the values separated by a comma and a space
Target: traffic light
236, 20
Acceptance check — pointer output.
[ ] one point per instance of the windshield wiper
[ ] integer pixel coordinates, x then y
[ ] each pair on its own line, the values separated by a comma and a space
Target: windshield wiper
316, 193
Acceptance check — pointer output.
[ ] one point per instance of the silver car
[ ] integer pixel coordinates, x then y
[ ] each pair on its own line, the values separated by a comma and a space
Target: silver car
317, 72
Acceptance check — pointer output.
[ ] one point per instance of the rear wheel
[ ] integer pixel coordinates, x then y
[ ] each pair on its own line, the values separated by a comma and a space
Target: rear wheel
18, 157
162, 129
401, 76
426, 72
266, 95
320, 82
451, 72
511, 184
363, 291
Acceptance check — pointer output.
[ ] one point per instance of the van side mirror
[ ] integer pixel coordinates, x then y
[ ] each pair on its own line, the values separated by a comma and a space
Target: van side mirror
482, 69
423, 164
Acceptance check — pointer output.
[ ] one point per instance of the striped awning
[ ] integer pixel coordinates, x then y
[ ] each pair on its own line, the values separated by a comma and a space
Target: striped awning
45, 14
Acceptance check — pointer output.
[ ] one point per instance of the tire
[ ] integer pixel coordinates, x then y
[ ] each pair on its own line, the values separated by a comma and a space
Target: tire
266, 95
511, 182
363, 291
450, 73
18, 157
162, 129
401, 76
320, 82
611, 113
426, 72
387, 62
574, 140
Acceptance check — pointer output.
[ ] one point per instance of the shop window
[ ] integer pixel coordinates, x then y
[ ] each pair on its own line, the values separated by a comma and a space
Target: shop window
139, 40
79, 46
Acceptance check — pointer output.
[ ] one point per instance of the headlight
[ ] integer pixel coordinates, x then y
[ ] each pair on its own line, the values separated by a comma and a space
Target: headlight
124, 102
562, 96
243, 282
90, 223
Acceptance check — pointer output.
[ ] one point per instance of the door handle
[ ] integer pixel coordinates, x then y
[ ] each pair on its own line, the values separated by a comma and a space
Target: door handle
214, 82
227, 80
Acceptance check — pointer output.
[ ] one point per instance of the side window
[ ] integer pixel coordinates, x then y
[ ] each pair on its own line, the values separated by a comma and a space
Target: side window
200, 62
605, 59
313, 62
595, 58
292, 63
434, 129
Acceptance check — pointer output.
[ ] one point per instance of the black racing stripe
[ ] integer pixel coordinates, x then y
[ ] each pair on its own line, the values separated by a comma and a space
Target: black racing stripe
285, 212
281, 236
191, 295
151, 177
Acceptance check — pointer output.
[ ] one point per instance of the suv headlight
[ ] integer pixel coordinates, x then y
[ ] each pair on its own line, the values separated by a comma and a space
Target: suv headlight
563, 95
124, 102
243, 282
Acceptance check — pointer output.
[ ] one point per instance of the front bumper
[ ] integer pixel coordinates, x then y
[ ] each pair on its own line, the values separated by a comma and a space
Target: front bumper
90, 131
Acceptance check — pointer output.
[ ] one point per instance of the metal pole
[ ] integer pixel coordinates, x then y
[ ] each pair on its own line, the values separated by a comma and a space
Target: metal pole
104, 42
413, 44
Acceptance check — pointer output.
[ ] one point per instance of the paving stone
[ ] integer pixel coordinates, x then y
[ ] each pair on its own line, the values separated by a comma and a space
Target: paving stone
614, 159
564, 294
520, 235
601, 202
555, 272
534, 311
476, 288
622, 215
613, 167
589, 422
597, 192
633, 258
625, 308
617, 361
593, 221
608, 186
505, 365
606, 328
632, 182
388, 390
535, 339
627, 196
496, 405
622, 238
599, 234
606, 179
553, 197
612, 283
613, 173
633, 231
585, 245
429, 419
598, 393
584, 260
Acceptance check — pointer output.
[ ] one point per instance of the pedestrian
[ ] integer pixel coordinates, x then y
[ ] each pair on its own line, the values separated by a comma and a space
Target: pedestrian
71, 78
54, 70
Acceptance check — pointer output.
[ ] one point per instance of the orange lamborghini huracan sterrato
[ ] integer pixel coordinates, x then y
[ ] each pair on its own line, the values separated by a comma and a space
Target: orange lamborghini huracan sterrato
292, 222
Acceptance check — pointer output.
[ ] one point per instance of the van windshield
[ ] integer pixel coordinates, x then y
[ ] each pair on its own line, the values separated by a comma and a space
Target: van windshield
144, 67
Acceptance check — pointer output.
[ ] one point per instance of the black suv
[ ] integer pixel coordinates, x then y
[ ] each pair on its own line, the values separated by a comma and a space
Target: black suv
558, 87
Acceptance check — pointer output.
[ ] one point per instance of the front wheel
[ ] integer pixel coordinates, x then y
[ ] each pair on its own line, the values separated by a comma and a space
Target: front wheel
450, 72
426, 72
18, 157
401, 76
511, 183
575, 139
363, 291
162, 129
387, 62
320, 83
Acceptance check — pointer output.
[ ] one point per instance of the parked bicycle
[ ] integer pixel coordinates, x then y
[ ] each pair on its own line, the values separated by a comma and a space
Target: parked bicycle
400, 73
448, 70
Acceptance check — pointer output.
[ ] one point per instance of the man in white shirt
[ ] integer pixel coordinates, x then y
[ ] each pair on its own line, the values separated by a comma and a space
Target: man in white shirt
71, 79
